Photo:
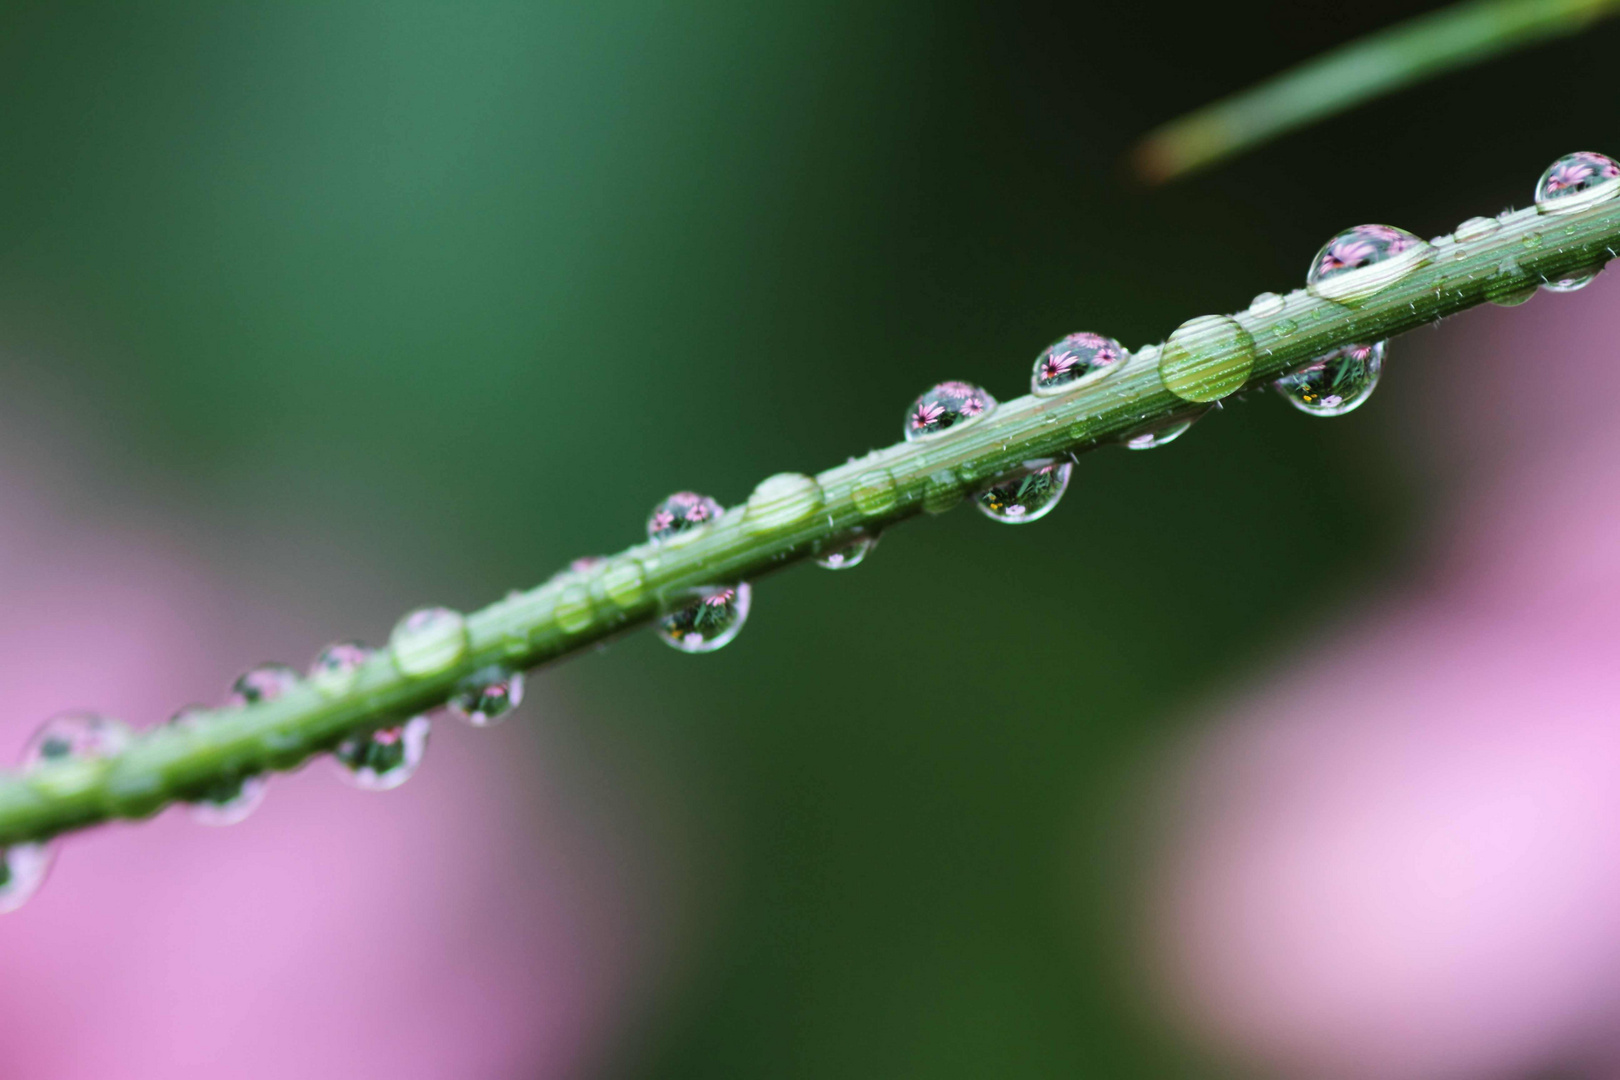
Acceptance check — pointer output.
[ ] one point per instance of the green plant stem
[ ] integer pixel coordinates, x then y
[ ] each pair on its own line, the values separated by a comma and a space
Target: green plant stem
573, 610
1364, 69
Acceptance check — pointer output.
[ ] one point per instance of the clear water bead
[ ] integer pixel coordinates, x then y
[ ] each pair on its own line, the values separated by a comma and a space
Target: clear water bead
487, 696
334, 670
263, 683
1336, 383
1360, 261
682, 514
945, 406
1076, 359
780, 502
230, 799
1157, 434
1475, 228
849, 554
1266, 305
23, 868
383, 759
708, 620
1571, 282
1207, 358
77, 736
1576, 181
428, 640
1027, 498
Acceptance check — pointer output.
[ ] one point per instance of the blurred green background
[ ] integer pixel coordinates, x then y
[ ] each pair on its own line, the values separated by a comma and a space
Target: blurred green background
468, 287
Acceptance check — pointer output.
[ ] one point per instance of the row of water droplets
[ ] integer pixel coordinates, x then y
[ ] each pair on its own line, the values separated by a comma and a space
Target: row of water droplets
425, 642
1203, 361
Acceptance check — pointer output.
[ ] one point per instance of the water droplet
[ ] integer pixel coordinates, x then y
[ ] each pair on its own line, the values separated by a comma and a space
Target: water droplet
1284, 327
1266, 305
229, 799
707, 618
77, 736
1570, 282
781, 501
1360, 261
950, 404
428, 640
1531, 241
263, 683
623, 582
1076, 359
942, 491
23, 868
485, 697
1029, 497
574, 610
334, 670
1576, 181
1157, 434
1476, 228
1207, 358
1512, 298
1336, 383
874, 493
848, 554
681, 517
385, 758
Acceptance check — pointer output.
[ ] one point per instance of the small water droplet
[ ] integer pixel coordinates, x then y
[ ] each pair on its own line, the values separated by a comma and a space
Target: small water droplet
428, 640
574, 610
1075, 360
1266, 305
942, 491
1335, 383
485, 697
1284, 327
623, 582
681, 517
230, 798
1578, 279
1576, 181
947, 405
386, 758
1476, 228
1026, 498
848, 554
1531, 241
1158, 433
781, 501
263, 683
334, 670
1207, 358
1360, 261
77, 736
874, 492
707, 618
1514, 297
23, 868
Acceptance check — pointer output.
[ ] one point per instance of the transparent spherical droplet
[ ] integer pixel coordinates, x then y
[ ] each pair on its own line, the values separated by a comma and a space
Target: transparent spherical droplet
1158, 433
1026, 498
76, 736
485, 697
1476, 228
708, 619
848, 554
1207, 358
1513, 297
1266, 305
681, 515
1336, 383
781, 501
229, 799
1075, 359
1360, 261
950, 404
263, 683
23, 868
334, 670
1571, 282
428, 640
385, 758
874, 492
1577, 180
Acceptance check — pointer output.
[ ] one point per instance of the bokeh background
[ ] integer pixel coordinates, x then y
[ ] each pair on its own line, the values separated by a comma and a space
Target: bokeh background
1284, 751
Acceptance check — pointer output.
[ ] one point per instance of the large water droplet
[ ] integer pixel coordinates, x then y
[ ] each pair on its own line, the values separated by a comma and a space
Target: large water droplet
1336, 383
1158, 433
1029, 497
1075, 360
848, 554
1360, 261
229, 799
23, 868
950, 404
1267, 304
707, 619
1207, 358
428, 640
485, 697
334, 670
263, 683
1576, 181
681, 517
385, 758
1570, 282
781, 501
874, 492
77, 736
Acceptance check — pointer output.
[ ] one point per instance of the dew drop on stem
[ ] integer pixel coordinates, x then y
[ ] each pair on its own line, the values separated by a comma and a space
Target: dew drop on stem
947, 405
1075, 361
1576, 181
383, 759
486, 697
1025, 498
1334, 383
706, 618
681, 516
